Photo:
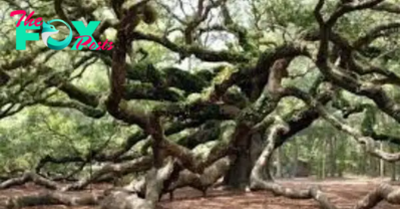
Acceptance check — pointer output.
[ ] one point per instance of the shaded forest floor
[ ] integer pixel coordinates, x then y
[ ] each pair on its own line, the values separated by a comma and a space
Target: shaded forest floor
343, 192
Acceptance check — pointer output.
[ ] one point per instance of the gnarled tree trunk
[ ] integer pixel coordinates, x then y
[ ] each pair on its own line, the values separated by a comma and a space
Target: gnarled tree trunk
238, 175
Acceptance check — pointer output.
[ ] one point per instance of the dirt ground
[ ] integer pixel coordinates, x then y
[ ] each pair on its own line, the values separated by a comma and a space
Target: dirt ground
344, 192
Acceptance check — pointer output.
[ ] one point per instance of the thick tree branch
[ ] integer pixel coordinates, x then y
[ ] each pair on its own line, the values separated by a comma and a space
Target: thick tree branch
260, 182
387, 7
186, 51
87, 110
366, 141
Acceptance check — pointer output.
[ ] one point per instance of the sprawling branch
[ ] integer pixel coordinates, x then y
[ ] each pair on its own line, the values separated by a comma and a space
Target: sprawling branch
366, 141
74, 92
387, 7
186, 51
114, 103
87, 110
136, 165
259, 181
374, 92
376, 32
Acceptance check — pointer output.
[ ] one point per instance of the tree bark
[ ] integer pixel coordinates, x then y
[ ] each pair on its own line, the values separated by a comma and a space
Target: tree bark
238, 175
278, 163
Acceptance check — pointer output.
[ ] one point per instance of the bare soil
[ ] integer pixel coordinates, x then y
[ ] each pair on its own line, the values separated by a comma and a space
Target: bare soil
343, 192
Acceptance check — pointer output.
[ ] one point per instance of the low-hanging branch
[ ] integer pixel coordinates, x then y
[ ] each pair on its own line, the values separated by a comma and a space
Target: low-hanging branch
136, 165
186, 178
117, 169
258, 181
185, 51
190, 140
122, 199
387, 7
354, 85
366, 141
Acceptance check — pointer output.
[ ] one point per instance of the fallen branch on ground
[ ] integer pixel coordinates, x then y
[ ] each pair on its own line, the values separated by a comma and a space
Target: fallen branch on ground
30, 176
51, 198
